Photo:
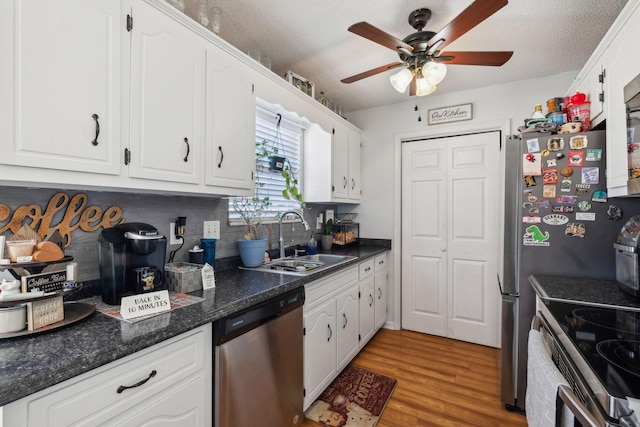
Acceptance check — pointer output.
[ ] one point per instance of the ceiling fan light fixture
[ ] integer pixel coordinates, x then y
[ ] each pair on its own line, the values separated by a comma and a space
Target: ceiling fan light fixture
423, 87
434, 72
400, 81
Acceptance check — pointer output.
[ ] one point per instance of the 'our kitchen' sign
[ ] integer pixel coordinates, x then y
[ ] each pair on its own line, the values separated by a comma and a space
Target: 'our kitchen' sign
454, 113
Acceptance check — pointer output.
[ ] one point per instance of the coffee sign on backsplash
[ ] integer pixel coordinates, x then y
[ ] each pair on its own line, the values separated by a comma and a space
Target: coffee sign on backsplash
75, 210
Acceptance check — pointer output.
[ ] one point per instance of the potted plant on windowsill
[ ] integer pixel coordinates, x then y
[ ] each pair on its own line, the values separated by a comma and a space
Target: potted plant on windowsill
327, 238
253, 245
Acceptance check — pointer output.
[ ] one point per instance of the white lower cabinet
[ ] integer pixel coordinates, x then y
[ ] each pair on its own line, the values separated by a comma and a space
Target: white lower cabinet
168, 384
367, 302
380, 289
340, 317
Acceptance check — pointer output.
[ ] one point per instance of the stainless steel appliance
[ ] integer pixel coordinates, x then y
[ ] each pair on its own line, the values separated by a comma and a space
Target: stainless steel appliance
131, 260
555, 225
598, 351
627, 247
258, 365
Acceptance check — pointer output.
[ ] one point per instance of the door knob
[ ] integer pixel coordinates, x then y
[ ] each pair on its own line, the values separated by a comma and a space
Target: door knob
443, 249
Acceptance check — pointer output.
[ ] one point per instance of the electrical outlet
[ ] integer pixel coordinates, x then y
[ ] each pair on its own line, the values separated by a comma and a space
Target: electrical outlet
211, 230
173, 240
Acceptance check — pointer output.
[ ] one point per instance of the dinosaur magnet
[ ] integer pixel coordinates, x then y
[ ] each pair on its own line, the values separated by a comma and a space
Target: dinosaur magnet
534, 237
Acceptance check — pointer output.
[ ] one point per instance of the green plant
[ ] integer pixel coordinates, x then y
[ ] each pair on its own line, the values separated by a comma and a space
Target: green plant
326, 227
252, 211
291, 190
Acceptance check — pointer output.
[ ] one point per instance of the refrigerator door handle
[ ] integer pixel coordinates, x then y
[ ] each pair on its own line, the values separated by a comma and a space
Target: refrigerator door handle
502, 292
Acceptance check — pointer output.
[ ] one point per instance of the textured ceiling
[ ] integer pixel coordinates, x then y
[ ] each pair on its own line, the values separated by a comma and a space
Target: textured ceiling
310, 38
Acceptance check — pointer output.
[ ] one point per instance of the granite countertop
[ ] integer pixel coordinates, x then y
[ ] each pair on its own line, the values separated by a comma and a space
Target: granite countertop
32, 363
603, 293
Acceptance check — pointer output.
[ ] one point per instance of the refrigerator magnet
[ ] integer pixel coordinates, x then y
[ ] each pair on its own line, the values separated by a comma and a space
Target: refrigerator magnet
534, 237
582, 189
531, 219
562, 209
555, 219
585, 216
599, 196
552, 163
532, 164
614, 213
530, 181
594, 154
576, 158
590, 175
566, 172
549, 191
555, 144
575, 229
533, 146
578, 142
565, 185
584, 206
550, 176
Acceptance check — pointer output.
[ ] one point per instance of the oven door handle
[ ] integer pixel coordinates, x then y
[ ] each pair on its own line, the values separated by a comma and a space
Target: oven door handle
566, 397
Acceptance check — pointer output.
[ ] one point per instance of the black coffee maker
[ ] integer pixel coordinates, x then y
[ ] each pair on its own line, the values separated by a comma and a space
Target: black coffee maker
131, 257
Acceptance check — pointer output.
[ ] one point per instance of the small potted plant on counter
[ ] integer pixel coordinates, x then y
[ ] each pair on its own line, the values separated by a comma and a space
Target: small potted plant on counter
253, 245
327, 238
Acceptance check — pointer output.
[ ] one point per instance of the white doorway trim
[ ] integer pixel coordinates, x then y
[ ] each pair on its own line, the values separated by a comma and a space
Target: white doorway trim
431, 132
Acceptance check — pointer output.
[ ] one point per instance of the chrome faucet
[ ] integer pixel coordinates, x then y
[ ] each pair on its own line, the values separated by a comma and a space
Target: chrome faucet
280, 239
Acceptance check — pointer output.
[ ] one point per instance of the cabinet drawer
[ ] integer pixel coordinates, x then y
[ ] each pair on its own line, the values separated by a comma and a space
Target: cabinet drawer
380, 262
366, 268
320, 290
93, 399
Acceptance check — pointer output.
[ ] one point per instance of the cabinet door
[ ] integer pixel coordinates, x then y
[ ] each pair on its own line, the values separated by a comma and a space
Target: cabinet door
319, 349
167, 98
340, 162
367, 301
347, 325
231, 124
60, 83
354, 165
179, 407
380, 282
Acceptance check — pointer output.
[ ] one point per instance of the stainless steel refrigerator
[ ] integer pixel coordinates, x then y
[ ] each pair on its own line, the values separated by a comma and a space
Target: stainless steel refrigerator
557, 222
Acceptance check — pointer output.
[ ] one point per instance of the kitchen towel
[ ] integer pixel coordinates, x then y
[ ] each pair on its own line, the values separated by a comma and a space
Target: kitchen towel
543, 379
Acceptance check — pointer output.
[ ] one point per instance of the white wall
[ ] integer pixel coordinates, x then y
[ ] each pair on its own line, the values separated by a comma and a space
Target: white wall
384, 126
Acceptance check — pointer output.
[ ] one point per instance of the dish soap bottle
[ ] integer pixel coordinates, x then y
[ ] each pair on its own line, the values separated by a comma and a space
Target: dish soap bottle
312, 246
537, 112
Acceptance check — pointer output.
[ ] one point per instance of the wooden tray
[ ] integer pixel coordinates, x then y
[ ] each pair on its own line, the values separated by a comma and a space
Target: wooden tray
73, 312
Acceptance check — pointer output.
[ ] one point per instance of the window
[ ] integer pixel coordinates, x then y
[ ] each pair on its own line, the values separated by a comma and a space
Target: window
286, 136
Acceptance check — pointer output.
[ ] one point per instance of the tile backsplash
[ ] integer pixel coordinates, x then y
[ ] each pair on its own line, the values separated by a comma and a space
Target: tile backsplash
156, 210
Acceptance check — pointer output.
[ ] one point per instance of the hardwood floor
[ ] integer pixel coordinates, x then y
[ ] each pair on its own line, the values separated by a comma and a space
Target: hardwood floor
441, 382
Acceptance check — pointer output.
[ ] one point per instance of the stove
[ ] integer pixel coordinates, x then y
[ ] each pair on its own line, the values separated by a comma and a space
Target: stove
598, 350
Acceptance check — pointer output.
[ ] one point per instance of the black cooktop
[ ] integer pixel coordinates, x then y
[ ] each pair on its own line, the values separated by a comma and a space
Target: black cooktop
609, 341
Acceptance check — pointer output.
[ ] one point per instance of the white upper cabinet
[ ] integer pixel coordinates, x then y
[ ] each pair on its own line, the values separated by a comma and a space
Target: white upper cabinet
614, 60
332, 165
60, 84
167, 98
231, 124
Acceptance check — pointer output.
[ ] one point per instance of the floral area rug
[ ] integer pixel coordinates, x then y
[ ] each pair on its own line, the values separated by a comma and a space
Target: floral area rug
356, 398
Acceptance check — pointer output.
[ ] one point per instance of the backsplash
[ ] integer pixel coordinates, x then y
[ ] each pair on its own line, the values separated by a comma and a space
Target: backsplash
158, 211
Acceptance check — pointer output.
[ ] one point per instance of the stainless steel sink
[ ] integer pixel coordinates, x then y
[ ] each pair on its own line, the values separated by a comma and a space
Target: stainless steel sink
302, 265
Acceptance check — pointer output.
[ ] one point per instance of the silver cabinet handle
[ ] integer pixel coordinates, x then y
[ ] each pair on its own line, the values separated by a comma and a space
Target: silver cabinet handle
353, 183
138, 384
379, 293
344, 317
370, 300
330, 332
345, 182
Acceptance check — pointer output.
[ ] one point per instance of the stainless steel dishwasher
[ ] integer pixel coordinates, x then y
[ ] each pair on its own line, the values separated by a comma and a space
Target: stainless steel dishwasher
258, 365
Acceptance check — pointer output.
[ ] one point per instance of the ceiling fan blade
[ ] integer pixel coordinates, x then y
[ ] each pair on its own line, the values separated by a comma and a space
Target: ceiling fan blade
373, 72
368, 31
493, 59
477, 12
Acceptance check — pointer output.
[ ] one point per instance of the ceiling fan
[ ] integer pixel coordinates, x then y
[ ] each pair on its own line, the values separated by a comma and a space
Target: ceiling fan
420, 52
